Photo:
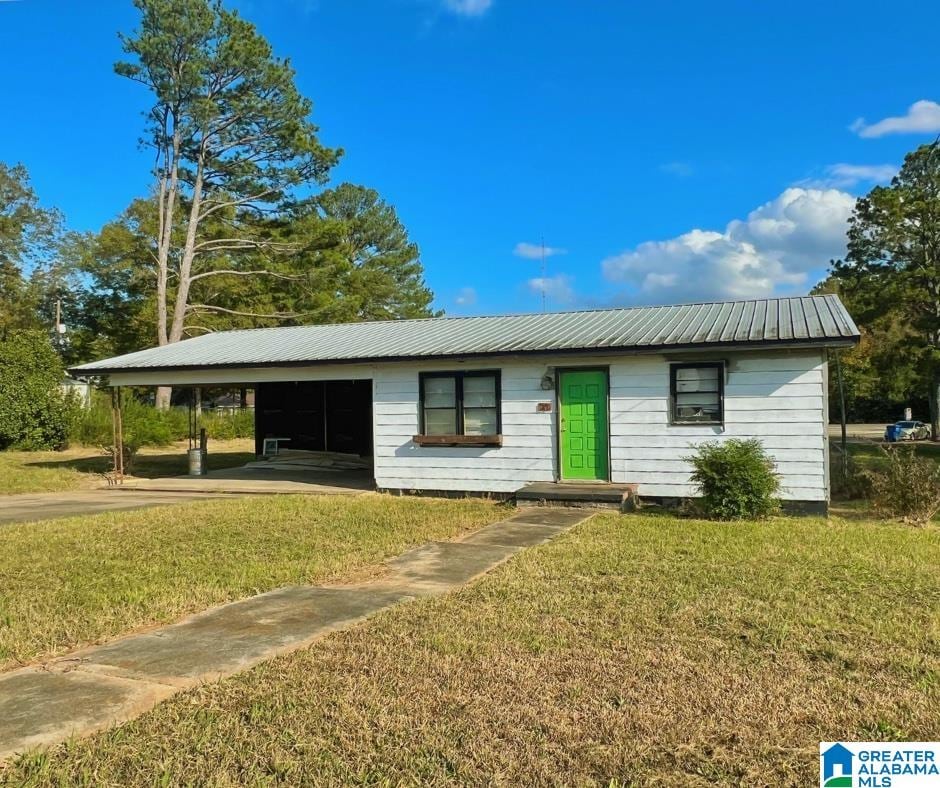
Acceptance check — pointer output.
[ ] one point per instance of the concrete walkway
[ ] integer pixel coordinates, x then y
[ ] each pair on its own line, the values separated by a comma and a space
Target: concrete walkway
46, 506
105, 685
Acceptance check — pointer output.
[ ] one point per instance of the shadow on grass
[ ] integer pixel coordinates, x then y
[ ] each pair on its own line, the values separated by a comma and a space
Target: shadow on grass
871, 450
152, 466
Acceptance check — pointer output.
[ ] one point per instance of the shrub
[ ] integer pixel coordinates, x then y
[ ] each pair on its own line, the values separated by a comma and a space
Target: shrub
736, 479
228, 426
906, 486
144, 425
34, 411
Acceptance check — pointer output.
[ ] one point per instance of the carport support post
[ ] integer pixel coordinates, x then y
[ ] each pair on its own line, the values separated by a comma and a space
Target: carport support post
117, 424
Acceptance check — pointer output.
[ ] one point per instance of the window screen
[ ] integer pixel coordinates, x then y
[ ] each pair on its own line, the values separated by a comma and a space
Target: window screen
460, 403
697, 393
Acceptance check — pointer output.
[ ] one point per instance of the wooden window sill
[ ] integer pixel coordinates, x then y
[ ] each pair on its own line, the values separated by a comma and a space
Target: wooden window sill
458, 440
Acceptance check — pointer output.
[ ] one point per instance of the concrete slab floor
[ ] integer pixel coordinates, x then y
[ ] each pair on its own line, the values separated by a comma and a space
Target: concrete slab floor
105, 685
265, 479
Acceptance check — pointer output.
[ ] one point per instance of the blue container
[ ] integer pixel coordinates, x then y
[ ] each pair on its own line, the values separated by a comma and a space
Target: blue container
892, 433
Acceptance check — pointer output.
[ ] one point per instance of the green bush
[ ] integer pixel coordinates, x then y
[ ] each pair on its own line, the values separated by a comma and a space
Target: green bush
228, 426
34, 411
906, 486
144, 425
736, 479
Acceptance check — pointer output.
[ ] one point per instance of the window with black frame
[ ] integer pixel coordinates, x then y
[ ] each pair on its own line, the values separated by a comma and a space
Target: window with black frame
460, 403
697, 393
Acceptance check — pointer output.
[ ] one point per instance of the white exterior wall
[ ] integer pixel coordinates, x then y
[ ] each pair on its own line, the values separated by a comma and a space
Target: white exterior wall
776, 396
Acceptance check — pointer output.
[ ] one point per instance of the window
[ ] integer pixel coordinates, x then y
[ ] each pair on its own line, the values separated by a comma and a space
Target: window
697, 393
460, 404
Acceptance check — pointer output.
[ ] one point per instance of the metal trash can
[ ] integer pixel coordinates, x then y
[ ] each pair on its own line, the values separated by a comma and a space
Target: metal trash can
197, 462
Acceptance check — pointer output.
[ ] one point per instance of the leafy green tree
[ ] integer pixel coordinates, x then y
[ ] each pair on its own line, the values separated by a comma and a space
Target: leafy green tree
355, 261
376, 266
880, 375
233, 143
34, 413
118, 308
893, 263
30, 235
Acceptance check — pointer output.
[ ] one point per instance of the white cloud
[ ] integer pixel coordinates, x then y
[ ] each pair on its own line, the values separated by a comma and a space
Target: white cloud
466, 296
774, 248
845, 176
681, 169
922, 117
535, 251
557, 289
468, 7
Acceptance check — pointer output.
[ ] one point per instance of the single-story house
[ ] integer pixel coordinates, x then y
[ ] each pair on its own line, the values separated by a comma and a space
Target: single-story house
493, 404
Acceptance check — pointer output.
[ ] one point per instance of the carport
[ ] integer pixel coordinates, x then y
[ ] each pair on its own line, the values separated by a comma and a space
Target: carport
322, 416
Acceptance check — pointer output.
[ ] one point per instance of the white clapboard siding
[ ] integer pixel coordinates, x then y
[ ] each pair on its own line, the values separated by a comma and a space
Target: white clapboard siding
419, 482
644, 465
777, 397
635, 443
640, 454
734, 403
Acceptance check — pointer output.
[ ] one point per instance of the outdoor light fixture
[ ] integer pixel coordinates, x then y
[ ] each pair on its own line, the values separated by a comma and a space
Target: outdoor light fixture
548, 381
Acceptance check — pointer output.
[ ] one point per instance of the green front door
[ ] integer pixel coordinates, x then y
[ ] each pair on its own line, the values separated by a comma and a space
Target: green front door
583, 405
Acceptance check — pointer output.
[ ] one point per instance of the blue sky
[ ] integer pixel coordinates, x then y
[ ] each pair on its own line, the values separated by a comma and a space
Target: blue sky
663, 151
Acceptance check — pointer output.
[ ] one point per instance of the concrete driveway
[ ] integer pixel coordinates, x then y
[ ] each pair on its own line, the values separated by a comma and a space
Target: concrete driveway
44, 506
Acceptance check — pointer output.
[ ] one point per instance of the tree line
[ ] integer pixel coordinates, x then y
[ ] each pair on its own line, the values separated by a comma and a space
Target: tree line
890, 282
240, 228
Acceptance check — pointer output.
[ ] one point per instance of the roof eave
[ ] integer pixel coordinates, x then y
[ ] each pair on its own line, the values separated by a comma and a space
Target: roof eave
775, 344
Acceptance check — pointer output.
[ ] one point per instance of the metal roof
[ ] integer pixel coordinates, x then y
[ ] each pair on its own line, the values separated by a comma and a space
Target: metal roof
812, 320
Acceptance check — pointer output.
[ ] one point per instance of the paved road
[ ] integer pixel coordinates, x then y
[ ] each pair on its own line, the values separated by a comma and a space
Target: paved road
865, 431
44, 506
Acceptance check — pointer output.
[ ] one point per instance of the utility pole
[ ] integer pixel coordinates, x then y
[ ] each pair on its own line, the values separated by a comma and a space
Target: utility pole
58, 330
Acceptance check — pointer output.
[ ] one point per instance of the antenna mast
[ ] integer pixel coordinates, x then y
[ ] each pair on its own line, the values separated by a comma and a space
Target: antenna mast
544, 282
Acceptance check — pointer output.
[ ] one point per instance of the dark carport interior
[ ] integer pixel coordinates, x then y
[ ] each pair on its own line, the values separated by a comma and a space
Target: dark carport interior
333, 415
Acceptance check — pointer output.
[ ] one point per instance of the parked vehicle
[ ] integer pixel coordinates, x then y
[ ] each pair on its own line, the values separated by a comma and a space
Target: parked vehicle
907, 431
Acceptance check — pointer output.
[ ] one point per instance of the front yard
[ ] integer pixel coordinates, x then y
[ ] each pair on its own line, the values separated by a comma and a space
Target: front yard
83, 467
633, 650
64, 583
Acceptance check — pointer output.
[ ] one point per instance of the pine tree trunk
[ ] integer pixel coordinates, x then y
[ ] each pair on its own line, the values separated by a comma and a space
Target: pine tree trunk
162, 399
933, 398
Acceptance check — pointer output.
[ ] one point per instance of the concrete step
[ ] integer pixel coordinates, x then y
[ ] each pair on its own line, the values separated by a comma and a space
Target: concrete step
622, 497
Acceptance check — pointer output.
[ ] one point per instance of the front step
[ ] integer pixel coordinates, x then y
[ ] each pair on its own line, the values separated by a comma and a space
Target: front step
622, 497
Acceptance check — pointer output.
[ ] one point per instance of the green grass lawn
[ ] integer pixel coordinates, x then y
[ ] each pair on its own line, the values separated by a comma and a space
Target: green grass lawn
83, 466
633, 650
870, 453
71, 581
